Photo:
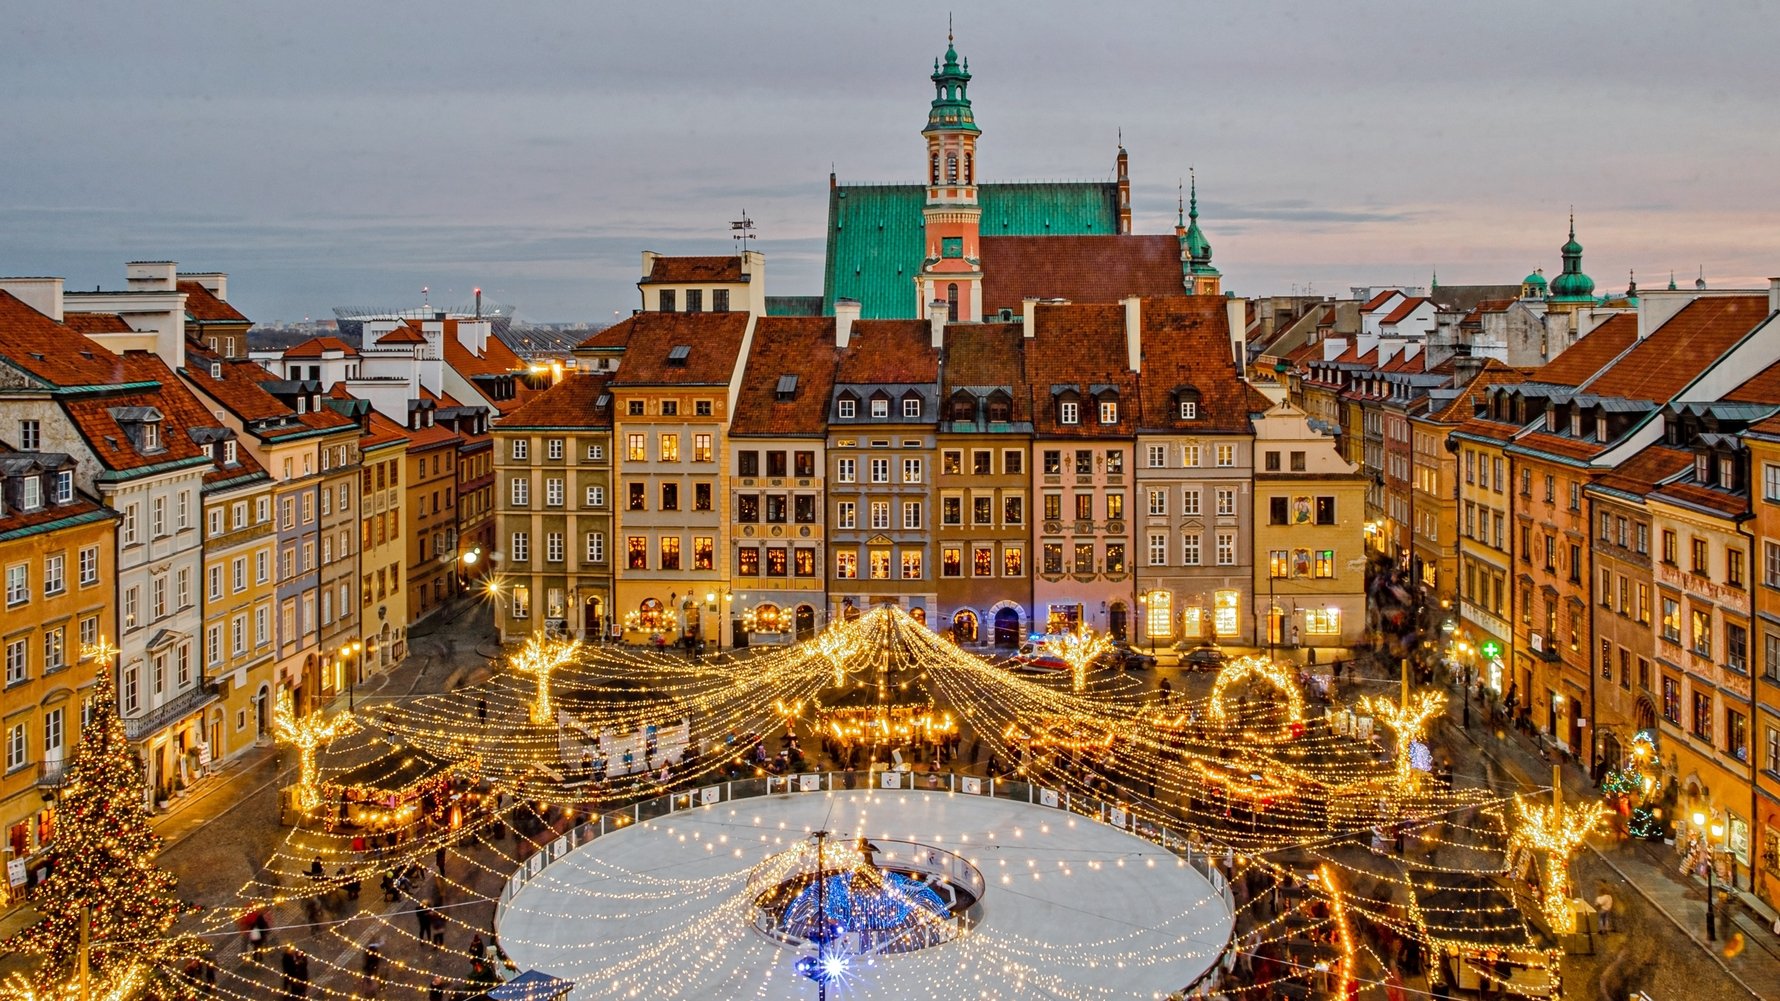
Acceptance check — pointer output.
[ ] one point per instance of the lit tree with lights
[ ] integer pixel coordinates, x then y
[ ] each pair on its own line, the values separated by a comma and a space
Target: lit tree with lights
1079, 649
308, 734
1409, 721
540, 657
104, 862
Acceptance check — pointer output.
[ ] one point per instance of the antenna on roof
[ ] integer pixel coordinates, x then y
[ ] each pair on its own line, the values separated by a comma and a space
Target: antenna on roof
742, 230
424, 292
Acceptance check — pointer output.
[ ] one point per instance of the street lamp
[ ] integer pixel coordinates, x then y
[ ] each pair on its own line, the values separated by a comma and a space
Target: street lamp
721, 612
348, 652
1714, 833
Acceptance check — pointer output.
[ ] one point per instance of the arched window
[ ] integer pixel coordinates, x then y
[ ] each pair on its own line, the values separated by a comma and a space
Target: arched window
951, 168
969, 170
935, 169
952, 302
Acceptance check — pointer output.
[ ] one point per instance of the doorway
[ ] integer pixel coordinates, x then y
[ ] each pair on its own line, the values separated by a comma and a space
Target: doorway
805, 620
1007, 629
1118, 618
964, 627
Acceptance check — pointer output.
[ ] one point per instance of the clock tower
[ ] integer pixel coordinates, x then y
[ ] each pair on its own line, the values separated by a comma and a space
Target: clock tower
951, 276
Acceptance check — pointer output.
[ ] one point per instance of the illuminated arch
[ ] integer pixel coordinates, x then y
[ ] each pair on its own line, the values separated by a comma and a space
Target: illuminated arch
1278, 675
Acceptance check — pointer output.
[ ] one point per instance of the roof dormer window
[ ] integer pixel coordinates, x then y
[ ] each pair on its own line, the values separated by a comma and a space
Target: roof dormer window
302, 404
846, 408
1069, 412
678, 355
911, 406
963, 407
65, 487
1000, 408
1702, 469
230, 457
880, 405
1186, 403
1601, 427
1727, 470
33, 494
786, 390
216, 370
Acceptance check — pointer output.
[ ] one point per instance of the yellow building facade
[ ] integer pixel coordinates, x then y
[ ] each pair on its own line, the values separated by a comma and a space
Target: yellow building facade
239, 653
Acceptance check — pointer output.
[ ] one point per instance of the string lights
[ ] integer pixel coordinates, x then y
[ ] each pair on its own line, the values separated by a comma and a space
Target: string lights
307, 733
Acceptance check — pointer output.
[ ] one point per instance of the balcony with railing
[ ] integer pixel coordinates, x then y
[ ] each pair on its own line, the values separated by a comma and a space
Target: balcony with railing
167, 713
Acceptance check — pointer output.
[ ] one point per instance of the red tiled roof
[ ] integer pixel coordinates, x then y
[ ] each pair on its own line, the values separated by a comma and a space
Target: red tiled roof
1186, 342
801, 346
1557, 444
496, 359
1378, 300
571, 403
404, 334
383, 431
240, 391
421, 439
1640, 473
92, 416
1580, 361
1404, 308
1077, 268
1694, 494
988, 354
96, 323
202, 305
615, 336
888, 351
1762, 387
714, 340
1663, 363
684, 270
1081, 345
315, 347
52, 352
1463, 406
1486, 306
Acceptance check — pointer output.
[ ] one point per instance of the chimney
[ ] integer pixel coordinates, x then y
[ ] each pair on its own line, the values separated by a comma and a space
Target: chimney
1236, 315
1133, 333
1029, 317
1465, 370
216, 282
936, 322
42, 294
1774, 295
846, 312
151, 276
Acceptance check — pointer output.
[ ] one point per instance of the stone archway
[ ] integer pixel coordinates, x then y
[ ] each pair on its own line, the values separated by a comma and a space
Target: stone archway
965, 626
1007, 627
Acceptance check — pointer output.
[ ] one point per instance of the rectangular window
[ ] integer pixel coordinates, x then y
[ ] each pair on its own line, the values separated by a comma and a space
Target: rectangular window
519, 490
1053, 462
951, 561
553, 547
1156, 456
1702, 716
1226, 502
846, 564
1115, 557
844, 514
1322, 621
911, 470
704, 552
1702, 632
1013, 561
1226, 549
636, 447
880, 514
880, 470
55, 649
1053, 558
1325, 563
55, 578
668, 448
670, 552
1226, 455
1736, 647
18, 584
520, 551
880, 564
747, 562
911, 514
596, 547
18, 661
1084, 557
1158, 549
1189, 549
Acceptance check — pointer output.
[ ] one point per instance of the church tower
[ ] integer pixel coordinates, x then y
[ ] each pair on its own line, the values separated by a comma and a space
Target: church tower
1197, 274
951, 277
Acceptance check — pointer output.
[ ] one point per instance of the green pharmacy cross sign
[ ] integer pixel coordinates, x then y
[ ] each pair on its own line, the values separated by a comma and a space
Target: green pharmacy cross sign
1491, 649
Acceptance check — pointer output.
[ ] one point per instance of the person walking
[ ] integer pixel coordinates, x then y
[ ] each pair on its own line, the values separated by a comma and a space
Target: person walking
373, 965
300, 974
287, 971
1604, 907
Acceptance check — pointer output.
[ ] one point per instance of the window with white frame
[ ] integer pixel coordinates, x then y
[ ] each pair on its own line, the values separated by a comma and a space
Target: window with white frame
521, 448
554, 448
1189, 549
17, 748
18, 660
553, 547
880, 470
1190, 454
911, 407
1158, 501
1189, 502
596, 497
844, 470
55, 576
1226, 455
880, 514
64, 487
1158, 549
1157, 456
520, 491
18, 584
1069, 412
844, 514
911, 514
553, 492
596, 547
55, 648
1226, 549
911, 470
213, 647
1226, 501
520, 551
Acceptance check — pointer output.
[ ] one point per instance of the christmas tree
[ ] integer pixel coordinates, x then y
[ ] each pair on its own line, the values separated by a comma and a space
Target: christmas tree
104, 859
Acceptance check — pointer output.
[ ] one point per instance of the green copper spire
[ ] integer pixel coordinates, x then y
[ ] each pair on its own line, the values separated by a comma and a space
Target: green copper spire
1671, 281
1197, 246
951, 107
1572, 285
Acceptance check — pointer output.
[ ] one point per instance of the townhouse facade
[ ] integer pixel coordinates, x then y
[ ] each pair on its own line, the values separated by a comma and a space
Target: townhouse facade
58, 552
383, 550
553, 465
1309, 504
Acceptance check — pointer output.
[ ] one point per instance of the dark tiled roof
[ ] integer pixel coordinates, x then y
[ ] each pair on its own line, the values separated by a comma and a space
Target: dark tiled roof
16, 520
1663, 363
684, 270
202, 305
801, 347
982, 355
1077, 268
1186, 342
1081, 346
892, 352
1581, 360
571, 403
715, 340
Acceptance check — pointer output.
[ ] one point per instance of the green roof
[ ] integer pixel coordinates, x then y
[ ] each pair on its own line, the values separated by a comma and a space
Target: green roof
875, 245
794, 305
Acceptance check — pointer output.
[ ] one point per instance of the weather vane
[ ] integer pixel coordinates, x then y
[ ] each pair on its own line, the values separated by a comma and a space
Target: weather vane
742, 230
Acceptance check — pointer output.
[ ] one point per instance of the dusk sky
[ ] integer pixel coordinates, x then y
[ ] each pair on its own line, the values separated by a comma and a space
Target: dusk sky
349, 153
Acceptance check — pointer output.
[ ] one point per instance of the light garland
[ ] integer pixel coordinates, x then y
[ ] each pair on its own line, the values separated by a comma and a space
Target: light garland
539, 658
1409, 722
1549, 836
1080, 649
1280, 676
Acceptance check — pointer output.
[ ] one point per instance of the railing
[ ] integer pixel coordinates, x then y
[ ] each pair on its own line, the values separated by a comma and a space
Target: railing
1108, 812
176, 708
51, 773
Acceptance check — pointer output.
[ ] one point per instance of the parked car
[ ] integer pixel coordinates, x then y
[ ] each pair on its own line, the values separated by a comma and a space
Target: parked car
1123, 655
1034, 657
1203, 657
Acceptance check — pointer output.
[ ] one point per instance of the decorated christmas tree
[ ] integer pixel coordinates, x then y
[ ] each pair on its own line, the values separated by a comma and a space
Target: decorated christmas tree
104, 860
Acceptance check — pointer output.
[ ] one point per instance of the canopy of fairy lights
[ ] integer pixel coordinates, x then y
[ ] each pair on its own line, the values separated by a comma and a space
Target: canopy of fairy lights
1285, 796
